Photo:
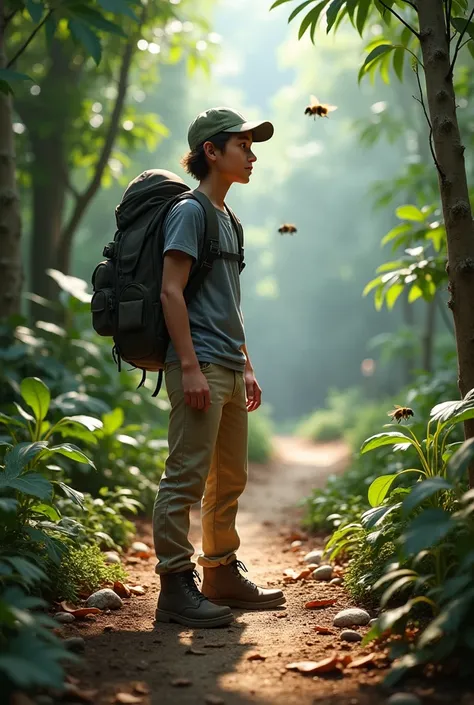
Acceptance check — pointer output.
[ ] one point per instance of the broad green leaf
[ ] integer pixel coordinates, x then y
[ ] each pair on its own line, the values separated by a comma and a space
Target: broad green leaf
396, 587
278, 2
424, 490
401, 229
24, 414
389, 438
37, 395
89, 17
410, 212
362, 15
392, 295
379, 489
20, 455
10, 421
73, 494
462, 25
415, 293
10, 76
72, 452
118, 7
35, 10
47, 510
398, 61
87, 38
454, 411
377, 515
8, 505
377, 53
31, 483
394, 575
29, 571
54, 548
332, 13
311, 18
461, 459
426, 530
113, 421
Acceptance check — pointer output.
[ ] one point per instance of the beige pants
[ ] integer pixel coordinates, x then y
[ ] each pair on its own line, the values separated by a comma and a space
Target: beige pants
207, 461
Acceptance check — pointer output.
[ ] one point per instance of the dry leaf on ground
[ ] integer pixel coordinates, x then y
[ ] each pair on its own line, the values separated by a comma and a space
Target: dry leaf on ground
345, 659
141, 688
195, 652
323, 630
127, 699
312, 667
136, 589
214, 700
80, 612
87, 696
363, 661
181, 682
121, 589
317, 604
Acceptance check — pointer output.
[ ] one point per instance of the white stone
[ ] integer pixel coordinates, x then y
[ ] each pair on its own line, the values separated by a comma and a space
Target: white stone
336, 581
351, 617
111, 557
139, 547
105, 599
324, 572
315, 556
351, 635
64, 617
403, 699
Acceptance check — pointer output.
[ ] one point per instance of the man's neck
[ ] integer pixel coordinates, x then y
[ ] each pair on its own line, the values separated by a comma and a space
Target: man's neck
215, 189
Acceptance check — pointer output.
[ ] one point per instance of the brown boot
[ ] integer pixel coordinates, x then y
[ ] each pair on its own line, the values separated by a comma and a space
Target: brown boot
225, 585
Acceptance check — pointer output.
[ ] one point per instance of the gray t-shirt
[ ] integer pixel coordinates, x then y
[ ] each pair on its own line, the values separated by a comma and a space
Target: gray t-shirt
215, 316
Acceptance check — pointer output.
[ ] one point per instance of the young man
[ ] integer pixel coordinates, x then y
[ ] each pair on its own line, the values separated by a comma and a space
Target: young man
211, 385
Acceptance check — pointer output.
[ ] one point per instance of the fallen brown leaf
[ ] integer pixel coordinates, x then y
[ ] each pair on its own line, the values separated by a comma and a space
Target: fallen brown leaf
345, 659
363, 661
195, 652
80, 612
323, 630
311, 667
256, 657
317, 604
87, 696
121, 590
181, 682
127, 699
72, 679
136, 589
214, 700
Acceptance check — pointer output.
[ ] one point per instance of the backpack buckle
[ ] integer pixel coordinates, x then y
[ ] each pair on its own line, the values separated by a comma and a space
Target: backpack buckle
214, 248
109, 250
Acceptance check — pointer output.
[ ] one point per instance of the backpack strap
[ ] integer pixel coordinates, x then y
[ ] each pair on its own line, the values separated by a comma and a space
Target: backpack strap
240, 236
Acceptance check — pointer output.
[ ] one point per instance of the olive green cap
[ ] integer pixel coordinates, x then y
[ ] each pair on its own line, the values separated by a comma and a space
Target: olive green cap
210, 122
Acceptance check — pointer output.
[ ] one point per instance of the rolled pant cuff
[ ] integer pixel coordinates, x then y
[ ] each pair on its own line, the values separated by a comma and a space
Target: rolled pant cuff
161, 568
207, 562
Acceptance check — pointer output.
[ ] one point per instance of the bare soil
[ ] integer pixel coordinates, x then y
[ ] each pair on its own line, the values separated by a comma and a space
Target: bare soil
245, 663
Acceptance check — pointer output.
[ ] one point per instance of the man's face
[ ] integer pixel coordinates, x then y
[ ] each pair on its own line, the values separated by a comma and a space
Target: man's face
236, 162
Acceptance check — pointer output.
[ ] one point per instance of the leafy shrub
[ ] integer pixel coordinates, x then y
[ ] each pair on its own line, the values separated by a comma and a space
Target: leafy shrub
366, 567
369, 417
322, 426
30, 654
102, 519
260, 437
81, 571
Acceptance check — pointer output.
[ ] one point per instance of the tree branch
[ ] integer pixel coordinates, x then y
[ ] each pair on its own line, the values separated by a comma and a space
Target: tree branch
30, 39
458, 45
421, 101
400, 18
8, 19
83, 199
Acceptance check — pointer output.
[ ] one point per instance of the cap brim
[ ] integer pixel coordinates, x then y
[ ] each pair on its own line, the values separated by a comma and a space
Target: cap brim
261, 131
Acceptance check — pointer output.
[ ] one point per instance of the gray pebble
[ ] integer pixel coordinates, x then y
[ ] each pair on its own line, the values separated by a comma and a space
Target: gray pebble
74, 643
105, 599
351, 617
324, 572
315, 556
111, 557
351, 635
64, 617
336, 581
403, 699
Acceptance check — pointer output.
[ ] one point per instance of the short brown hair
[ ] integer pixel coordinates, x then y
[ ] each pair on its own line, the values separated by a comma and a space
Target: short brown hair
195, 162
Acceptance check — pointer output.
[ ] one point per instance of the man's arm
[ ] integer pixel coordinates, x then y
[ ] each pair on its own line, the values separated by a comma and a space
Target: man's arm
176, 269
252, 387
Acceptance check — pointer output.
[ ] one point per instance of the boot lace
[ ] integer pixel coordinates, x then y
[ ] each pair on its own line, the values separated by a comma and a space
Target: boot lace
237, 566
190, 587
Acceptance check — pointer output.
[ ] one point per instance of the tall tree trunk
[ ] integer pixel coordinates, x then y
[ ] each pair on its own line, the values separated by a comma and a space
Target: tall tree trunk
428, 336
49, 194
11, 271
453, 187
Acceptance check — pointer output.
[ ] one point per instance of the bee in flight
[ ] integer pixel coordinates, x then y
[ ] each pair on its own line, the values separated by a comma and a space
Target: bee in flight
315, 107
401, 412
287, 228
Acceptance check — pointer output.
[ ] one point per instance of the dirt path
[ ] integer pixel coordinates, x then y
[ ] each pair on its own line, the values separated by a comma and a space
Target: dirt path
245, 663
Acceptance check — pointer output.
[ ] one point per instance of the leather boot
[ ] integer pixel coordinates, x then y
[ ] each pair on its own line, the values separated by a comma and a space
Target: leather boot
181, 601
225, 585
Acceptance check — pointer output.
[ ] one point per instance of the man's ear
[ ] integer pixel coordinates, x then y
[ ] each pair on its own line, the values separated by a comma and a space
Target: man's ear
209, 151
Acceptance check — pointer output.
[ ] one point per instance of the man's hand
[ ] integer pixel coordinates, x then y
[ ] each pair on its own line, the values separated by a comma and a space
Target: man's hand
254, 393
196, 389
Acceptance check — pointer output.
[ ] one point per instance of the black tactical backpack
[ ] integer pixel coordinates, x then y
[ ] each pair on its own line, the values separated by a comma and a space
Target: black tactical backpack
126, 301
